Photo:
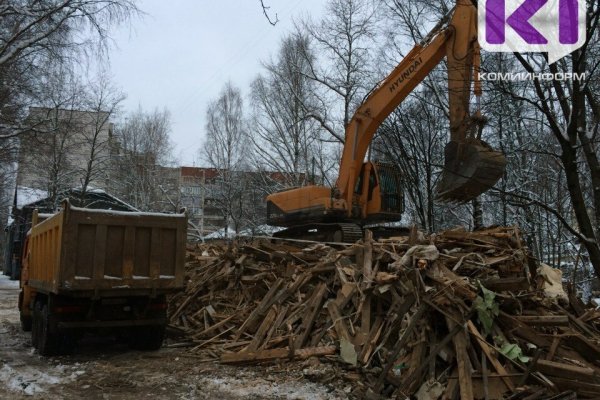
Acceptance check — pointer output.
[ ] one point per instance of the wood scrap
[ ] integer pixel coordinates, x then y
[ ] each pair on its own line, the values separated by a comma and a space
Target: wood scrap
401, 325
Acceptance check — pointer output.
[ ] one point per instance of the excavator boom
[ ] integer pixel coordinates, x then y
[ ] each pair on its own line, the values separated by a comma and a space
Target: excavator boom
471, 166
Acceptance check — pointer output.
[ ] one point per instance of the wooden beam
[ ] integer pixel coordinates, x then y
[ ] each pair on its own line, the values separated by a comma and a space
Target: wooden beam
462, 360
544, 320
490, 353
247, 357
414, 320
569, 371
308, 320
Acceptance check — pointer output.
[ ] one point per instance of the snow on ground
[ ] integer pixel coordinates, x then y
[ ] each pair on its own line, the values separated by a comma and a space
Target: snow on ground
22, 371
30, 380
245, 388
104, 368
261, 230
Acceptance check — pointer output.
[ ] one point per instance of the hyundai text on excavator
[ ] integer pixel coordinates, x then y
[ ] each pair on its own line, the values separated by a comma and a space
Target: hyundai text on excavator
369, 193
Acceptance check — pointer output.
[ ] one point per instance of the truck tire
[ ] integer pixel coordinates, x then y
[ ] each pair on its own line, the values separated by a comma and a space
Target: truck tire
147, 337
48, 342
14, 272
26, 321
37, 323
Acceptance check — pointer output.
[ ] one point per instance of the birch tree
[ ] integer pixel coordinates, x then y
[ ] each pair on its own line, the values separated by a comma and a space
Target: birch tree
285, 137
344, 40
226, 149
101, 104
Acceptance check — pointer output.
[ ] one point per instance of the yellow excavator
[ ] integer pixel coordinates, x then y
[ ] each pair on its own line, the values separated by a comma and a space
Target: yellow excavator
370, 193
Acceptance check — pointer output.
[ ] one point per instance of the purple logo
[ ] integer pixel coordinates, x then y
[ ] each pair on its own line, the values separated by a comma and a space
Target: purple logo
553, 26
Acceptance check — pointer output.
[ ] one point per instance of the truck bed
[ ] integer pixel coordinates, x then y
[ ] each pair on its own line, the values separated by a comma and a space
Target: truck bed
78, 251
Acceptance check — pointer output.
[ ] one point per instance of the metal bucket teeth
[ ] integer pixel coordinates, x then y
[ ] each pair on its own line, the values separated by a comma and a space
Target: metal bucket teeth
470, 169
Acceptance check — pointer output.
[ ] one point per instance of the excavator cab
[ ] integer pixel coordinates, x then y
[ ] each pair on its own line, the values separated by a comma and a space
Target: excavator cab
471, 167
379, 193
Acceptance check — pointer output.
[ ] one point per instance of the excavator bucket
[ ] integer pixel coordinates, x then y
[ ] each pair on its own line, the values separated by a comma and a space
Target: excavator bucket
470, 168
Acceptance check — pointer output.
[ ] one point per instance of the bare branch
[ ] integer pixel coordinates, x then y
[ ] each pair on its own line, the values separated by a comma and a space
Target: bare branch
265, 12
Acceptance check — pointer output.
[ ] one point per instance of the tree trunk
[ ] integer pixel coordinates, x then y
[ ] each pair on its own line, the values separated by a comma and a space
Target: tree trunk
569, 160
477, 214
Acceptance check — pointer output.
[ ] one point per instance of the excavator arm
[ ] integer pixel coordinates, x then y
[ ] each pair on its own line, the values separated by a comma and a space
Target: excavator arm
458, 43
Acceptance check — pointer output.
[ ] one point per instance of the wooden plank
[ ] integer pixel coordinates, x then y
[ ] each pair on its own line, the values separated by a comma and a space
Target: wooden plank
276, 354
520, 329
584, 389
368, 258
451, 391
576, 303
507, 284
338, 321
583, 346
417, 359
214, 327
569, 371
544, 320
400, 343
530, 367
282, 314
371, 341
553, 347
365, 317
345, 294
462, 361
491, 355
262, 330
308, 320
261, 309
435, 351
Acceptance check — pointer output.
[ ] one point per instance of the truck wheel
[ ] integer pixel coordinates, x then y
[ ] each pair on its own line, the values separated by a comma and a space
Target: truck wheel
47, 342
26, 322
147, 337
15, 273
37, 323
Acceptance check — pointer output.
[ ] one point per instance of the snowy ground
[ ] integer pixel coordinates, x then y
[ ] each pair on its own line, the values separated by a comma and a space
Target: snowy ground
102, 368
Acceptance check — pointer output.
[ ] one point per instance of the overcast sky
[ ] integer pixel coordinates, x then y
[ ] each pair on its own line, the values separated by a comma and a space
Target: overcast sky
183, 51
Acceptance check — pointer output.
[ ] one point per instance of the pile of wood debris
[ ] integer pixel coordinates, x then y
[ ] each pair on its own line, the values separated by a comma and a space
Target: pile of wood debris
454, 315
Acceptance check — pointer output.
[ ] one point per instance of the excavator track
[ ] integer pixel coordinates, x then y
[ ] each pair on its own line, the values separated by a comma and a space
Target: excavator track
351, 233
323, 232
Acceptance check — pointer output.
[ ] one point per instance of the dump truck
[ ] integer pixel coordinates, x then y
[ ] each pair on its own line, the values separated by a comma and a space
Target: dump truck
100, 270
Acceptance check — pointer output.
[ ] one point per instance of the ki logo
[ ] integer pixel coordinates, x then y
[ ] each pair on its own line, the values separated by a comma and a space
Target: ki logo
553, 26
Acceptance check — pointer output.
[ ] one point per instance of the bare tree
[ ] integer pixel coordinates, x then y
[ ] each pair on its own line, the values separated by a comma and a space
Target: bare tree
143, 154
47, 152
413, 138
226, 150
34, 34
285, 137
101, 103
344, 40
569, 113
